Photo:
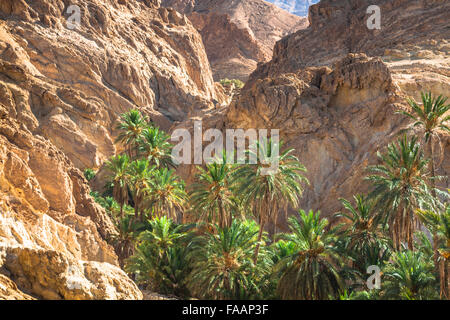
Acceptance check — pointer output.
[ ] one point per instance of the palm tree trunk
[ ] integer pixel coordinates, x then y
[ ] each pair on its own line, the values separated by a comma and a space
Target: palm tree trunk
433, 193
136, 209
431, 164
447, 270
261, 229
224, 221
442, 278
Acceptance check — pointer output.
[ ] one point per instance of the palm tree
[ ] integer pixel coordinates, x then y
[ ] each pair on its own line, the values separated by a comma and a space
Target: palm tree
439, 224
131, 126
120, 178
310, 273
409, 276
140, 173
160, 260
213, 197
430, 117
166, 193
153, 144
222, 263
360, 233
267, 191
399, 187
128, 229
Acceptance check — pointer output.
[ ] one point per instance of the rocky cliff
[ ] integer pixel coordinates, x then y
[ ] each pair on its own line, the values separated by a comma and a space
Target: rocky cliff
334, 87
237, 34
61, 91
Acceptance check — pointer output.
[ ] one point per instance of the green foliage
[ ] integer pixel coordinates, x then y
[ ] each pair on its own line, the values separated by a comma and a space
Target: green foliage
166, 193
399, 186
409, 276
237, 83
265, 190
361, 239
223, 266
130, 127
153, 145
231, 258
160, 260
432, 115
213, 197
311, 272
89, 174
120, 178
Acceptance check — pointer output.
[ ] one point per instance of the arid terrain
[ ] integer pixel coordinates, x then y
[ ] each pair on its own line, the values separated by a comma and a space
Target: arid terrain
331, 86
237, 34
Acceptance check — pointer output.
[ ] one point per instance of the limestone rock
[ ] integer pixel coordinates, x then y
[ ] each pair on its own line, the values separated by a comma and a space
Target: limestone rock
9, 290
77, 81
52, 275
237, 34
333, 89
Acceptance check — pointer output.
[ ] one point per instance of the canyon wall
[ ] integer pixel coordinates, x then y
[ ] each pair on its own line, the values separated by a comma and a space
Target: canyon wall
333, 89
238, 34
61, 92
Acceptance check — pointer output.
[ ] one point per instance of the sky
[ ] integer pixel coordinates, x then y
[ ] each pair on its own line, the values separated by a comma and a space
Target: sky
298, 7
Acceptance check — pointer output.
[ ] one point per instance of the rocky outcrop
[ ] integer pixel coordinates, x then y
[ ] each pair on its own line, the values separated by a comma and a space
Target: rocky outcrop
415, 50
9, 290
51, 231
61, 92
237, 34
333, 89
52, 275
122, 55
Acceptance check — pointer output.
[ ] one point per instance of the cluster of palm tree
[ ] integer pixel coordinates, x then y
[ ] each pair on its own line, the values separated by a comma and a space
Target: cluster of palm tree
402, 225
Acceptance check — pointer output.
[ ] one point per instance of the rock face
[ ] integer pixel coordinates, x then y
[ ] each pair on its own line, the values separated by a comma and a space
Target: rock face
332, 89
53, 275
415, 50
237, 33
61, 91
123, 55
297, 7
9, 290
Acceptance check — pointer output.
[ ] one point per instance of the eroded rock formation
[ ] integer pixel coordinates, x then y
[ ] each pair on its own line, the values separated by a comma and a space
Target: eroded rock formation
238, 34
61, 91
333, 89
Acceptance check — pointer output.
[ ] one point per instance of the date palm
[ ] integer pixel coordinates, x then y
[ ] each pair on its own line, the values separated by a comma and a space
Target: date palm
360, 231
223, 266
160, 260
430, 117
408, 276
120, 178
399, 187
266, 191
128, 229
141, 174
130, 127
439, 224
213, 197
310, 273
153, 145
166, 194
